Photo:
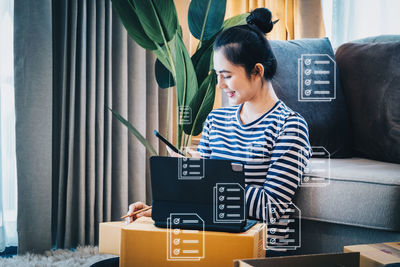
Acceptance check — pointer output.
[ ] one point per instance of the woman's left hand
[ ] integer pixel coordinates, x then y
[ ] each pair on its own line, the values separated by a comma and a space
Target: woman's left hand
190, 152
193, 153
135, 207
173, 154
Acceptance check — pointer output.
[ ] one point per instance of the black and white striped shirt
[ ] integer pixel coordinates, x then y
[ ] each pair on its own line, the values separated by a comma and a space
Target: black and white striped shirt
274, 149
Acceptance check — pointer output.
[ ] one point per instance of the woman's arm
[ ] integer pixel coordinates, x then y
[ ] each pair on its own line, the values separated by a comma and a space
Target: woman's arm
289, 157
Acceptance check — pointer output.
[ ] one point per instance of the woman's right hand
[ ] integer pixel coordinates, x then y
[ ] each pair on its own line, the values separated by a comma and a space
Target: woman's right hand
135, 207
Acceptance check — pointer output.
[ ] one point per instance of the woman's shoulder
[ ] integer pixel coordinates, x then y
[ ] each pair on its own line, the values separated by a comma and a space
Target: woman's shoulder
223, 112
289, 116
229, 109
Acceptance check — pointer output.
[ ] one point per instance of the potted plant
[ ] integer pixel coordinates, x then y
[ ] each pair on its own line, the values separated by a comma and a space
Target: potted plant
153, 24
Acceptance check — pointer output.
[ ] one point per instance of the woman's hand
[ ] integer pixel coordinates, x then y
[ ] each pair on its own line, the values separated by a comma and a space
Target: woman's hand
172, 153
135, 207
190, 152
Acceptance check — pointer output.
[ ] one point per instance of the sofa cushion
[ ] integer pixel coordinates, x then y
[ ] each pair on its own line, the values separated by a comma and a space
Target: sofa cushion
361, 192
370, 79
378, 39
328, 121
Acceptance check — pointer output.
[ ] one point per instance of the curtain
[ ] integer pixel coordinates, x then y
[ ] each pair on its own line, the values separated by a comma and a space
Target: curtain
350, 20
297, 18
81, 165
8, 178
33, 110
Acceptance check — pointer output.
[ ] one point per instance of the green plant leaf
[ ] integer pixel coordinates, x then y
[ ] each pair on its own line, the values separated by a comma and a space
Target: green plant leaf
135, 132
164, 77
180, 78
205, 17
235, 21
158, 18
204, 65
132, 24
162, 54
186, 80
202, 59
202, 104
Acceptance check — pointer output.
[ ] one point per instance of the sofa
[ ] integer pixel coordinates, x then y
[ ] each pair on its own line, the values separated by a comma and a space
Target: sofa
360, 206
360, 127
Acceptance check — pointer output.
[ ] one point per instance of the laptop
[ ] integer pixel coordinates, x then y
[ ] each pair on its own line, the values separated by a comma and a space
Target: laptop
200, 194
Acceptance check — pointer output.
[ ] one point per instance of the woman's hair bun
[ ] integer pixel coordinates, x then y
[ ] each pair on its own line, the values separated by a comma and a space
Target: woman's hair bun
262, 18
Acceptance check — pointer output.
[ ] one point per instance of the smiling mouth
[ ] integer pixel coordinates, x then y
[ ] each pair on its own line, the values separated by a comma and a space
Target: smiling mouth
230, 93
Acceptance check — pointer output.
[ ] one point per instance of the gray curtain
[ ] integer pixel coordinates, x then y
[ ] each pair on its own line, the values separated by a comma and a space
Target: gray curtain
33, 110
77, 166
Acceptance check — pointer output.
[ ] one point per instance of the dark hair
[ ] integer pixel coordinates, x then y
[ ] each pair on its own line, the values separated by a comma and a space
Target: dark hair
247, 45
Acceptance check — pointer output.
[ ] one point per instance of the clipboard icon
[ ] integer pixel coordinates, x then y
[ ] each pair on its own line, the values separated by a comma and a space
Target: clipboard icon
318, 172
184, 244
229, 203
283, 226
316, 78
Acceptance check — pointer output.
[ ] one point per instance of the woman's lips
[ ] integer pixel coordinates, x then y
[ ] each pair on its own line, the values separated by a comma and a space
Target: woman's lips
230, 93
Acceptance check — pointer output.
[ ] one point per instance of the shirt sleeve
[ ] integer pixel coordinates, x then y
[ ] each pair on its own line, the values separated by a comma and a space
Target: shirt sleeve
289, 157
204, 144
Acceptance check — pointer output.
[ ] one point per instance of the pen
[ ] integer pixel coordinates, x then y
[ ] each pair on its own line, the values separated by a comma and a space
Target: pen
136, 212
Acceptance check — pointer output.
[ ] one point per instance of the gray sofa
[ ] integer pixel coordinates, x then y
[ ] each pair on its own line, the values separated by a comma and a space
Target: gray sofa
361, 204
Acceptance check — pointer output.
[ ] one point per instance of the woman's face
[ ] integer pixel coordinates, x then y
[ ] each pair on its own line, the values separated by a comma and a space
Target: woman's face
233, 80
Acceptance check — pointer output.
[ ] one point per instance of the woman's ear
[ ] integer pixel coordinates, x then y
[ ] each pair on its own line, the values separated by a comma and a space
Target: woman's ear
258, 70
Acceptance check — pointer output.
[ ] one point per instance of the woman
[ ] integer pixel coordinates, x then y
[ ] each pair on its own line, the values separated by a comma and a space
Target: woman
259, 129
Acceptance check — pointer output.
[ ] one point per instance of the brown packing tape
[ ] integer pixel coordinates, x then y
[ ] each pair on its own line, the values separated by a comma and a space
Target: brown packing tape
373, 255
260, 244
388, 248
395, 245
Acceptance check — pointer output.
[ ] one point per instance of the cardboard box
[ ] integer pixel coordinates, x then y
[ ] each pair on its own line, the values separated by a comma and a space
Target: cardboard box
376, 254
110, 237
143, 244
318, 260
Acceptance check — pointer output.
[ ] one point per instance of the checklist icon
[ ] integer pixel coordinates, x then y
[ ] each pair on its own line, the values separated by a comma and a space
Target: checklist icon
184, 244
283, 226
229, 203
316, 77
318, 171
191, 168
184, 115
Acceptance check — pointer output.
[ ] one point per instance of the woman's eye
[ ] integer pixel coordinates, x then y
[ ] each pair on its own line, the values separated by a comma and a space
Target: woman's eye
226, 77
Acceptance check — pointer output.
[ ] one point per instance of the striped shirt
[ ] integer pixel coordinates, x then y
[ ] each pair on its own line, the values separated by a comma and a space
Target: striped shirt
274, 149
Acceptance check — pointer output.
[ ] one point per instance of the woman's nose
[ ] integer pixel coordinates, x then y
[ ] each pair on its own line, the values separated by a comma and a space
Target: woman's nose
221, 83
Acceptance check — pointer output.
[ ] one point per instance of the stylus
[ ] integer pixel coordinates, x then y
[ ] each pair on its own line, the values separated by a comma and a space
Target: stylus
167, 143
136, 212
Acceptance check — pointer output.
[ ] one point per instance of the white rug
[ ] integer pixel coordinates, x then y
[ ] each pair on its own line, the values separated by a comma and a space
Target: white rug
82, 257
